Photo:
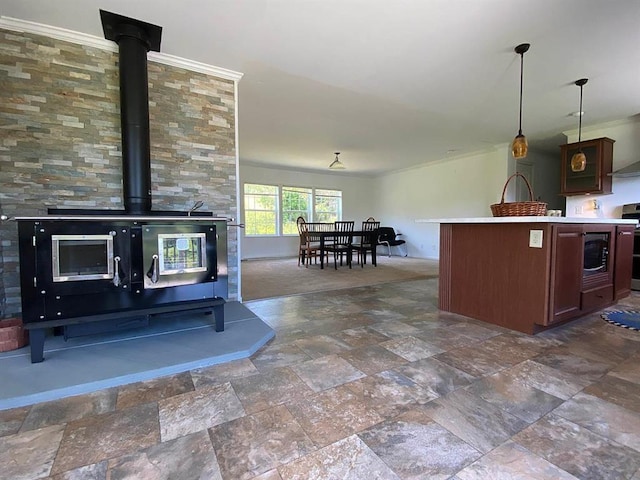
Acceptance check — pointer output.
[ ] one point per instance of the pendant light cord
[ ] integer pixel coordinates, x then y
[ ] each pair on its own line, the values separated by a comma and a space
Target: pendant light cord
580, 122
581, 83
521, 80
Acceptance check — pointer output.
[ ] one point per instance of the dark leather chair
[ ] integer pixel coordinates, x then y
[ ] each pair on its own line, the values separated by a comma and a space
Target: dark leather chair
388, 236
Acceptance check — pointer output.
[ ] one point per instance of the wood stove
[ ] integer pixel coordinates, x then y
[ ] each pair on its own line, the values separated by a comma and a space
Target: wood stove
90, 274
88, 271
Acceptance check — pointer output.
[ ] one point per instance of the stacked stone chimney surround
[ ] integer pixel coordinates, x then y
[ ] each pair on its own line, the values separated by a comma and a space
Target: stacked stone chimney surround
60, 143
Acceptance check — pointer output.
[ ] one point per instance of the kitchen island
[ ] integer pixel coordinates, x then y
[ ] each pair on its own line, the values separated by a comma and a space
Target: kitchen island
532, 273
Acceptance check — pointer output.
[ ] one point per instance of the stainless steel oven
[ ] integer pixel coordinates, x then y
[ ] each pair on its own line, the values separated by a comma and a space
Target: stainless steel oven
632, 211
635, 268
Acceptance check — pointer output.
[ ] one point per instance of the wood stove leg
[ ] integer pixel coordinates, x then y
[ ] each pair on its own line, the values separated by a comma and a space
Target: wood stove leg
218, 312
36, 341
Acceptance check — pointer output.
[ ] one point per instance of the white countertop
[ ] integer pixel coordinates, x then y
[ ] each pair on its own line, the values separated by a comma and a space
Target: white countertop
538, 219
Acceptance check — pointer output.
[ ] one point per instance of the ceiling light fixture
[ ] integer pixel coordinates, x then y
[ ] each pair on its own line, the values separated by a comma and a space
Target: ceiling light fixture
579, 159
520, 146
336, 164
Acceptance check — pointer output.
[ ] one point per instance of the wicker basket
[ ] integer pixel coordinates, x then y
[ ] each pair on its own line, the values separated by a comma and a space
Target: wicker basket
518, 209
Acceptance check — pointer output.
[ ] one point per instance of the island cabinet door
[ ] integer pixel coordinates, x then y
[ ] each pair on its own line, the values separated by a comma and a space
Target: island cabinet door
566, 272
623, 260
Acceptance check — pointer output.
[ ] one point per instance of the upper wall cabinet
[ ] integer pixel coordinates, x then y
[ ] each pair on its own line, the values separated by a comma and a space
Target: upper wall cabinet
595, 177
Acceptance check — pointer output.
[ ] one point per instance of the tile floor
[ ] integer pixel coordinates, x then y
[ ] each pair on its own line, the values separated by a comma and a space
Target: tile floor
364, 383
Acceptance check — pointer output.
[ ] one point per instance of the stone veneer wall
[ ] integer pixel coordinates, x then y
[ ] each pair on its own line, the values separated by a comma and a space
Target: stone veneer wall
60, 143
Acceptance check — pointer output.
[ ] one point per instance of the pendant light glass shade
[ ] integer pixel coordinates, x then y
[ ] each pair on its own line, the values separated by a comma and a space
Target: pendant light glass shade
336, 164
578, 162
579, 159
520, 146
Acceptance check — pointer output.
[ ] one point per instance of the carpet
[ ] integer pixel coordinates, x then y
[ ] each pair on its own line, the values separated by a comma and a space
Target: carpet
170, 344
282, 277
623, 318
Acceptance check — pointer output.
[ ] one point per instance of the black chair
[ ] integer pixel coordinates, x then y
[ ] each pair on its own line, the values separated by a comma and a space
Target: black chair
367, 240
388, 236
341, 242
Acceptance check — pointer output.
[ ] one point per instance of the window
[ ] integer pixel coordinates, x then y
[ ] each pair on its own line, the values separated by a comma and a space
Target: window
260, 209
273, 210
328, 205
296, 202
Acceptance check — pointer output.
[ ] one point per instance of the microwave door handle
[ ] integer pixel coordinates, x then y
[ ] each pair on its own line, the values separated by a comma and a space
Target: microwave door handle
154, 270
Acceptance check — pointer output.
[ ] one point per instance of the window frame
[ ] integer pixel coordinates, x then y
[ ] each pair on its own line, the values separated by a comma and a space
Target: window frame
317, 213
308, 214
312, 213
276, 196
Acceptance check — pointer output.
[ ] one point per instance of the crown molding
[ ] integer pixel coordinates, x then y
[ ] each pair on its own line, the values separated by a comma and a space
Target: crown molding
25, 26
84, 39
602, 126
192, 65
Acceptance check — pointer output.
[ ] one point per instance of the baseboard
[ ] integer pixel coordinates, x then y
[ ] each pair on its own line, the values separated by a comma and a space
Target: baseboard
269, 258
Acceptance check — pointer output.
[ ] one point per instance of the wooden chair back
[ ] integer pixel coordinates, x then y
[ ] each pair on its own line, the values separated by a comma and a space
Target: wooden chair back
369, 232
315, 227
300, 221
345, 231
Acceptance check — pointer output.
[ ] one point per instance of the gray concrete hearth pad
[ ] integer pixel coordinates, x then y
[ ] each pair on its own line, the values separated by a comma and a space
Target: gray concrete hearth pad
169, 345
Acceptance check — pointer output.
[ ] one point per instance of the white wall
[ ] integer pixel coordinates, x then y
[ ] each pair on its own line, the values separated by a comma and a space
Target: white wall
450, 188
626, 150
546, 177
358, 203
460, 187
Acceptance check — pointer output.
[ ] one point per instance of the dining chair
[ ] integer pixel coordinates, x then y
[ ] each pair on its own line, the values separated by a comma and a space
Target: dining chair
299, 222
341, 242
367, 240
388, 236
307, 249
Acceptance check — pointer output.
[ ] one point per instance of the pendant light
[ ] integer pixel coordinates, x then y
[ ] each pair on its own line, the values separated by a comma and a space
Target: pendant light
579, 159
520, 146
336, 164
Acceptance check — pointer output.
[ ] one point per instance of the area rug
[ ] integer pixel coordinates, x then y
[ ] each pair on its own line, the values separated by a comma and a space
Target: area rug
623, 318
282, 277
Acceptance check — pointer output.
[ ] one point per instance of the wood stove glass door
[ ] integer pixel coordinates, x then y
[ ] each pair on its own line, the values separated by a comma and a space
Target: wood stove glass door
180, 254
82, 257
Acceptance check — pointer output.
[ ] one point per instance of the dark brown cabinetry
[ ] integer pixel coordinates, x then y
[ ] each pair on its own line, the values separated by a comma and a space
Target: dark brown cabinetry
595, 179
566, 278
588, 261
532, 276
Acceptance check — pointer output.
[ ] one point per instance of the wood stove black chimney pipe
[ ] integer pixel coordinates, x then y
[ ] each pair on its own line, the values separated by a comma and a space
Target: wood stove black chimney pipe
134, 39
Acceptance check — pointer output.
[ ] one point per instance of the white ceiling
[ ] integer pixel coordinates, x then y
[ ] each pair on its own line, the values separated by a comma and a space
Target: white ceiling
392, 84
